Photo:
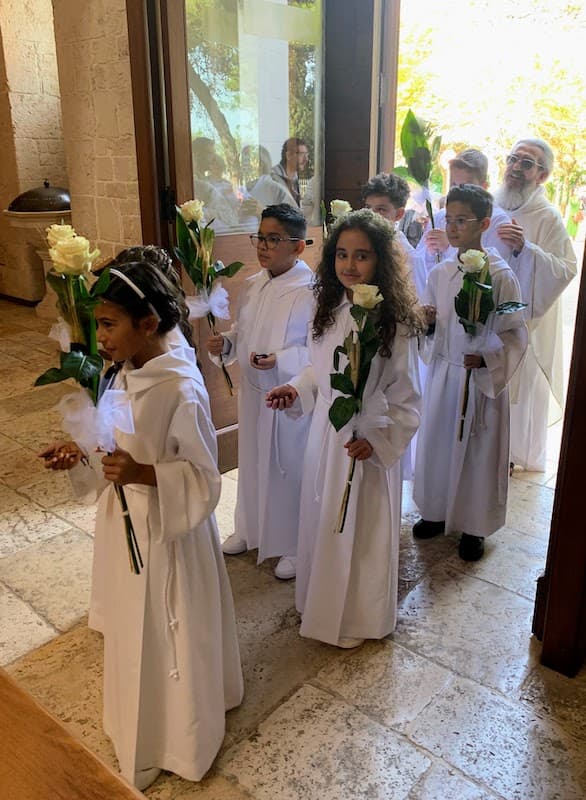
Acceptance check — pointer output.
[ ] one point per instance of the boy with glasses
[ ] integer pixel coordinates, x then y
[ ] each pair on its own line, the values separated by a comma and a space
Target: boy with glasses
462, 473
468, 166
269, 342
544, 261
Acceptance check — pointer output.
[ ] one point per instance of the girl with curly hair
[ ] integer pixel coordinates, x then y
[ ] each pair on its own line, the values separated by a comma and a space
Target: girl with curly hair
347, 583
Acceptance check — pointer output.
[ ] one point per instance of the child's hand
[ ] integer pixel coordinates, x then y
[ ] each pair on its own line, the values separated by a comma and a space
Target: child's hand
429, 314
262, 360
61, 455
121, 468
436, 240
360, 449
473, 361
281, 397
216, 345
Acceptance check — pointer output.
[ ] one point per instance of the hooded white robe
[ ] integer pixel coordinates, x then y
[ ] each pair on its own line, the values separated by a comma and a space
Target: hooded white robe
272, 317
544, 267
490, 238
465, 482
171, 658
347, 584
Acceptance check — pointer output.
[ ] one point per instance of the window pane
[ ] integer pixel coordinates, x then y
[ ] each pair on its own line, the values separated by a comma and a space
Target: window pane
254, 73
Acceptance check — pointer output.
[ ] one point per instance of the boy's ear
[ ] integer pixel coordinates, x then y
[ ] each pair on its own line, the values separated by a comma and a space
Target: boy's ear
300, 246
485, 224
399, 214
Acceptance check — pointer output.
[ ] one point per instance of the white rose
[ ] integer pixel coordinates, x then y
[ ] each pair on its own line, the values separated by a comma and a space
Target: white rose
472, 261
73, 256
339, 207
59, 233
366, 295
192, 211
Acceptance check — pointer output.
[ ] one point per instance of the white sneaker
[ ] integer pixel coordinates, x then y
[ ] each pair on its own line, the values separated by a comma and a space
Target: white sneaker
286, 568
348, 643
234, 545
144, 777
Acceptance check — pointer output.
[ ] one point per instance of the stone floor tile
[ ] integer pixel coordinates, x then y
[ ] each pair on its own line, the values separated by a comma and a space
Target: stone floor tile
512, 560
77, 514
443, 782
172, 787
474, 628
7, 445
386, 682
28, 525
10, 499
22, 629
54, 577
501, 745
41, 398
232, 474
32, 340
315, 747
558, 698
529, 508
65, 676
38, 429
14, 380
225, 509
19, 466
49, 488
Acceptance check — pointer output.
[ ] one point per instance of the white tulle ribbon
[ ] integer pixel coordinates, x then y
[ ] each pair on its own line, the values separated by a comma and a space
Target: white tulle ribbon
61, 333
92, 427
216, 303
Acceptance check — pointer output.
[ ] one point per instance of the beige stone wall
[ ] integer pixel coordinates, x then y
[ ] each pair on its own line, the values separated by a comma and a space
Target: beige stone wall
31, 140
98, 124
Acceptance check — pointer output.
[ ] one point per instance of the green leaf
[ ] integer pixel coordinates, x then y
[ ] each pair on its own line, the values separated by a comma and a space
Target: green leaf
81, 367
509, 307
402, 172
342, 383
101, 284
337, 352
230, 270
52, 375
342, 410
358, 313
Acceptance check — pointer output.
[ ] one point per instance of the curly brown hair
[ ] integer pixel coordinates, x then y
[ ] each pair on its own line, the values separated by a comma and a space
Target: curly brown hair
391, 275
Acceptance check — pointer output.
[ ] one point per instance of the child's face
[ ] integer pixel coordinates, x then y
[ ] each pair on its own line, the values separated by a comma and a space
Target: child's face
121, 337
462, 227
355, 259
380, 204
460, 175
277, 254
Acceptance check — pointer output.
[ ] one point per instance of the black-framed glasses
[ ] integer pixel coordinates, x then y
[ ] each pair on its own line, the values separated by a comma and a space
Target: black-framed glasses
525, 163
271, 241
460, 222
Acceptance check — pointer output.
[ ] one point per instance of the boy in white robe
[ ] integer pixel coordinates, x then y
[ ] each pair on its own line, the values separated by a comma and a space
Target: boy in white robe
269, 341
468, 166
461, 476
387, 195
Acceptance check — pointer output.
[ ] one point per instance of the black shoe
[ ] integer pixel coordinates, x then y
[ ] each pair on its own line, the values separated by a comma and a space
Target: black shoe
424, 529
471, 548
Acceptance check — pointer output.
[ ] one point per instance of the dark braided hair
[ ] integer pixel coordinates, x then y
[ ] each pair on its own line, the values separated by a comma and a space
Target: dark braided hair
391, 275
160, 259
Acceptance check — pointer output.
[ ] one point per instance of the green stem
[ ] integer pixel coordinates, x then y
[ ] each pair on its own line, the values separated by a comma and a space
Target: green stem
465, 397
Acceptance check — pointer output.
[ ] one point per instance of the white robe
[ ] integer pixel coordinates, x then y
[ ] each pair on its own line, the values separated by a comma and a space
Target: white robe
465, 482
272, 317
347, 584
490, 237
544, 268
171, 658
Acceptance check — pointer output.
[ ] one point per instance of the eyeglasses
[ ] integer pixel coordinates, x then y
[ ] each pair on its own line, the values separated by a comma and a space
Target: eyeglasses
271, 241
525, 163
460, 222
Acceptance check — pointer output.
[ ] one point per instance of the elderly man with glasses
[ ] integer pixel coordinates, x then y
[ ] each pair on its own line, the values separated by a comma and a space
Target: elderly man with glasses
544, 262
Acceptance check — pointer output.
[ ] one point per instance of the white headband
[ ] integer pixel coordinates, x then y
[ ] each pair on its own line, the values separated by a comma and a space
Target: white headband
127, 280
135, 289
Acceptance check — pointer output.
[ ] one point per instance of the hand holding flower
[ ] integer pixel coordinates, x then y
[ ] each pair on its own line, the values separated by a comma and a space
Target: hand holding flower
472, 361
436, 241
429, 314
120, 467
281, 397
216, 345
360, 449
61, 455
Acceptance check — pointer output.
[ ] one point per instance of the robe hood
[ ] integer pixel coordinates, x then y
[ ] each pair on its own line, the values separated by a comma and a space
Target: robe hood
176, 363
289, 281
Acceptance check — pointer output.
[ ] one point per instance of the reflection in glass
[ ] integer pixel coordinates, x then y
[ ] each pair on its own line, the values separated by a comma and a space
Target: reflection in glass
254, 71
